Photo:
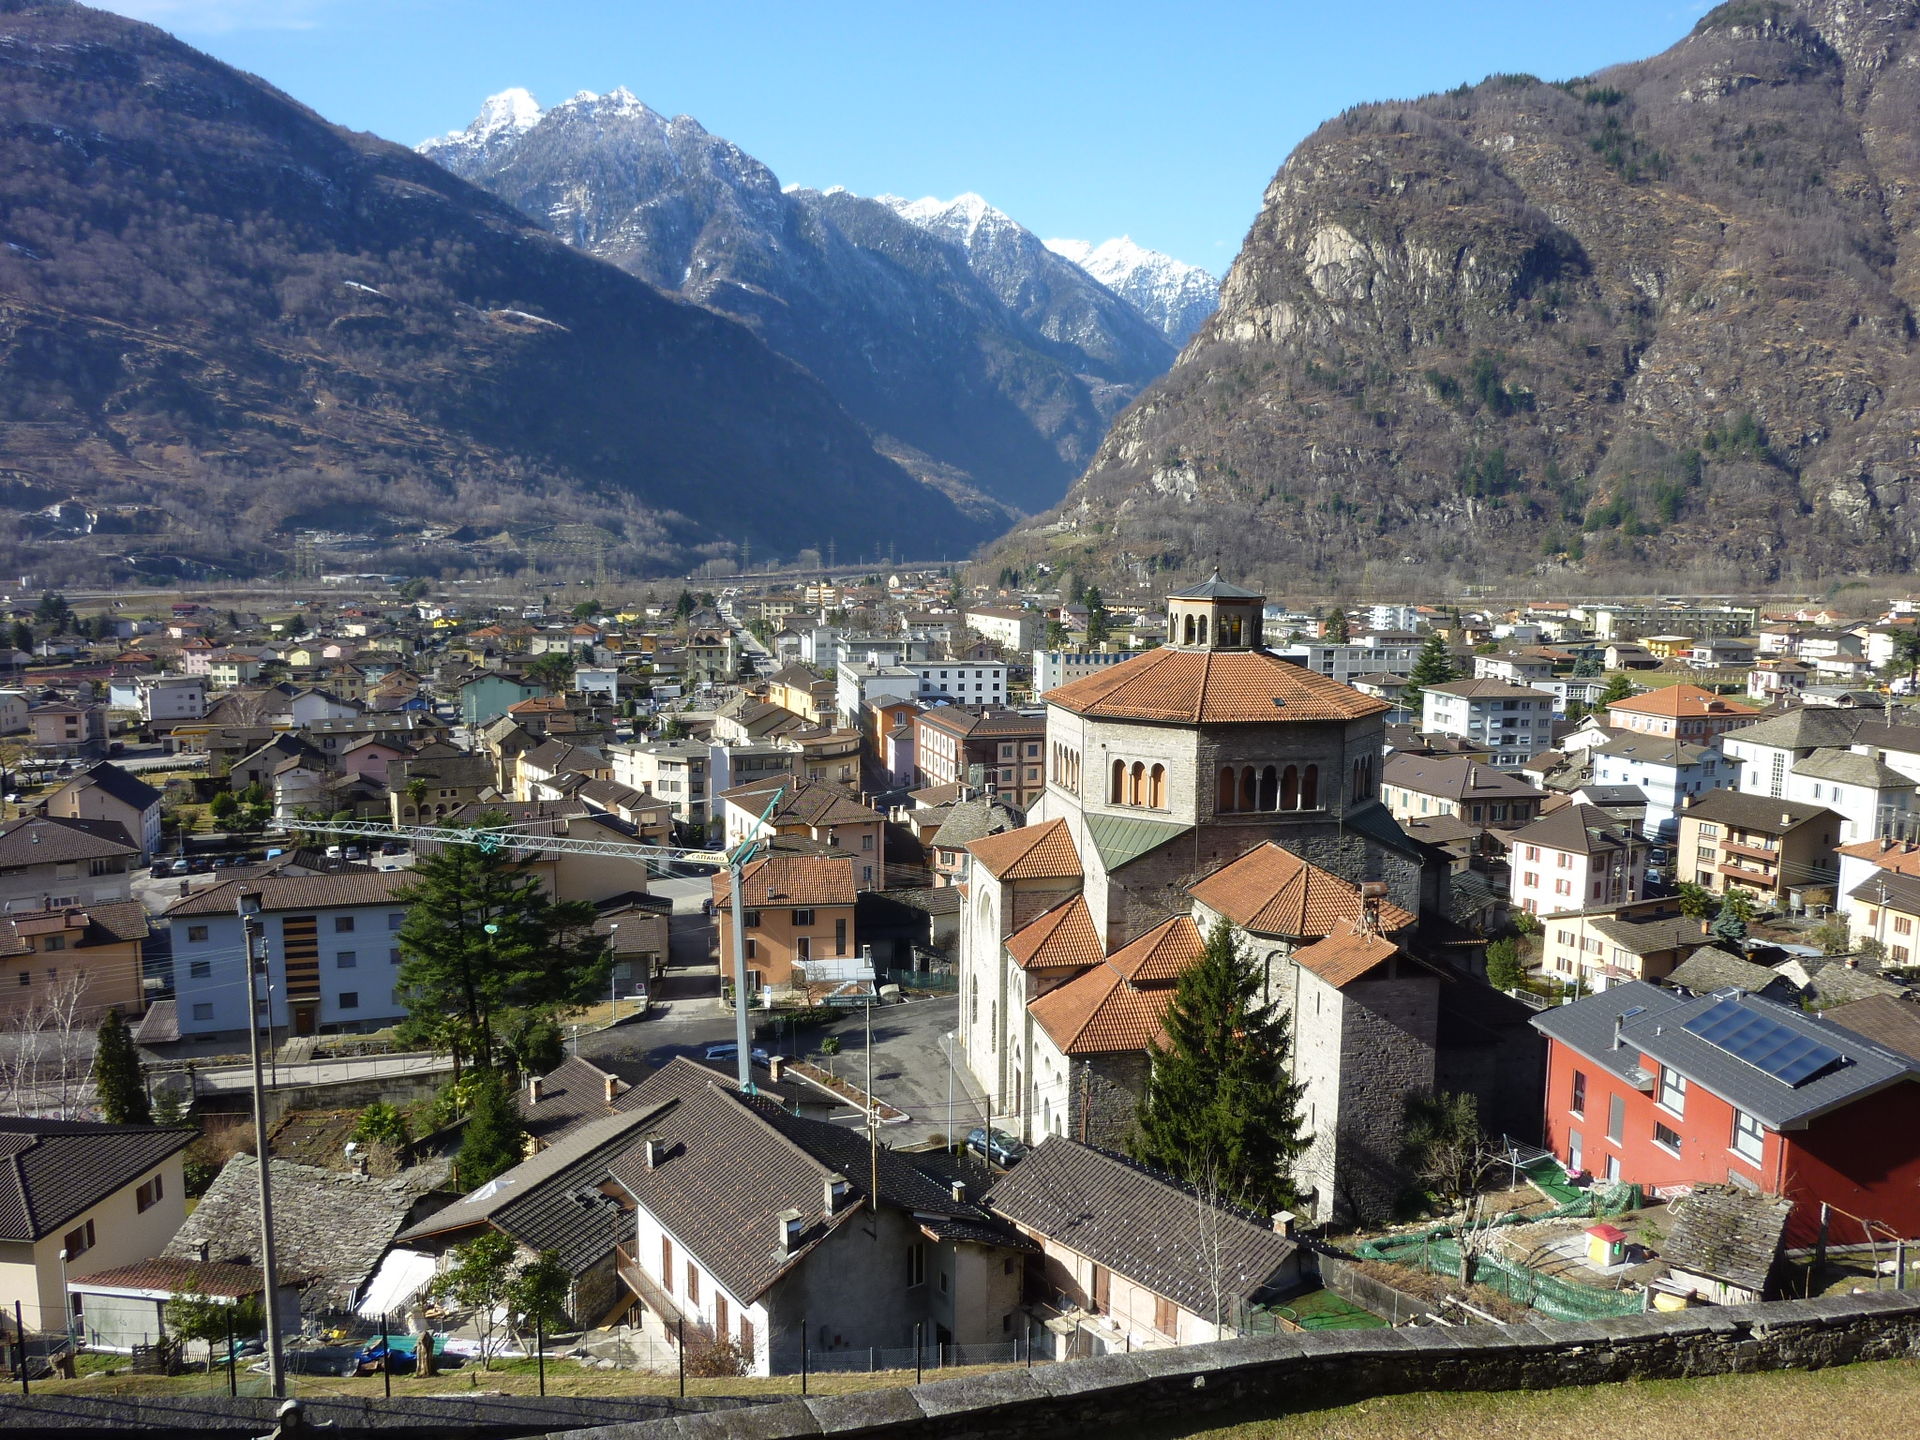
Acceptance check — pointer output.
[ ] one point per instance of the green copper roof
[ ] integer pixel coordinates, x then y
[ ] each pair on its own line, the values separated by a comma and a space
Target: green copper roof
1122, 840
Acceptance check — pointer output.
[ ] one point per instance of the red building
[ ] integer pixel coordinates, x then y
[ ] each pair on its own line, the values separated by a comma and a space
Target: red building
1668, 1090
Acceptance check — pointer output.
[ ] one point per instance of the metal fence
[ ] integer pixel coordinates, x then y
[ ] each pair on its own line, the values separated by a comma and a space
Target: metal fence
928, 1357
943, 981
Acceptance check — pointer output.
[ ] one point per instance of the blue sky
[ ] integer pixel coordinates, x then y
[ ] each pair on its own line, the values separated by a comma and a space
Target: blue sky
1084, 120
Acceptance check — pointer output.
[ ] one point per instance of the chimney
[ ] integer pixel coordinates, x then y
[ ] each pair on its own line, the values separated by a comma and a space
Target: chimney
958, 1189
201, 1250
834, 1193
1619, 1031
613, 1088
653, 1150
1786, 819
791, 1224
533, 1089
1283, 1223
775, 1065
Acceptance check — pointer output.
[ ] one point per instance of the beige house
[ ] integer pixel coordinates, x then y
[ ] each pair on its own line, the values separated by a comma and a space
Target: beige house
1601, 948
44, 954
1758, 843
798, 908
76, 1197
1132, 1261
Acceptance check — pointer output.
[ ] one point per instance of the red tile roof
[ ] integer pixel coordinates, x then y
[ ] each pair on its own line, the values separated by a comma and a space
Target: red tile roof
1062, 937
1345, 955
786, 879
1162, 955
1212, 687
1274, 892
1033, 852
1680, 700
1101, 1011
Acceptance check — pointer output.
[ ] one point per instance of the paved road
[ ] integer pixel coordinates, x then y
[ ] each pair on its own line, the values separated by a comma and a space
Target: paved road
322, 1072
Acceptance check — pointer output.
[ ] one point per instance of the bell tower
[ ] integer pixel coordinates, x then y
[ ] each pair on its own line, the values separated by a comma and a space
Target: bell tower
1214, 615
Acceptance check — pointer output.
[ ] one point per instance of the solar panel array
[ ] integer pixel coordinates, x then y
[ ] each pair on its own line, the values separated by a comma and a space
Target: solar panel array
1767, 1044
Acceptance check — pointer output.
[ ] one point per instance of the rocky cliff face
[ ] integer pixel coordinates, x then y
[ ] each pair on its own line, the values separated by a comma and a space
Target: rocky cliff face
1654, 322
222, 319
979, 359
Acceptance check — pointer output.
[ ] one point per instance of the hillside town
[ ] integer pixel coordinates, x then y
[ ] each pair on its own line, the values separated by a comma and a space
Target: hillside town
1591, 923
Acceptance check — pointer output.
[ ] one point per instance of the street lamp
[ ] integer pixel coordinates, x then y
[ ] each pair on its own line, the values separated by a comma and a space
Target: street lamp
247, 905
951, 1147
66, 1299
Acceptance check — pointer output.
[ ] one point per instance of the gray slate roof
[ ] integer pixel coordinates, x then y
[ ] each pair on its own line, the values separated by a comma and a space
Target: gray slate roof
1806, 728
1883, 1020
1849, 767
1579, 829
1657, 1030
1710, 968
53, 1170
1142, 1225
49, 840
975, 819
330, 1228
1724, 1232
552, 1201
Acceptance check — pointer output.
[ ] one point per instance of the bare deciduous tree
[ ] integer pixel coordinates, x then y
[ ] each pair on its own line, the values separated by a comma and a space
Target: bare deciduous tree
46, 1055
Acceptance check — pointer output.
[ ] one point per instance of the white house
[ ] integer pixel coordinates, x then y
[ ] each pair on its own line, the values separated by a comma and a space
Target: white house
1511, 721
333, 953
1011, 629
1577, 858
1667, 772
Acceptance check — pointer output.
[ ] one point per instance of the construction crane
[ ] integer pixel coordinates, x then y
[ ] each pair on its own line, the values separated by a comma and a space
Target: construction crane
497, 839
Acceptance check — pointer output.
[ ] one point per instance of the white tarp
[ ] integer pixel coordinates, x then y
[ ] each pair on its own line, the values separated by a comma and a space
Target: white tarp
401, 1276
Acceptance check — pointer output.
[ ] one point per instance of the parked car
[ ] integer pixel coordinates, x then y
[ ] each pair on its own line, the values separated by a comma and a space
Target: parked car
996, 1147
732, 1052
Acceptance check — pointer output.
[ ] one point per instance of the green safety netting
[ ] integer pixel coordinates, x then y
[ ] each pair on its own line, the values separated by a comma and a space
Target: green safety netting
1437, 1251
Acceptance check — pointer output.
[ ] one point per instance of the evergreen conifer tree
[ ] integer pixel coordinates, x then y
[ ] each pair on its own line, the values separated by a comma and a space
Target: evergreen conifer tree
119, 1086
481, 938
1618, 688
1099, 627
495, 1140
1432, 666
1334, 629
1221, 1110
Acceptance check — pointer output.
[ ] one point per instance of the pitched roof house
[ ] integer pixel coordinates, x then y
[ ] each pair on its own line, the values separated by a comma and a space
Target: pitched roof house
1135, 1260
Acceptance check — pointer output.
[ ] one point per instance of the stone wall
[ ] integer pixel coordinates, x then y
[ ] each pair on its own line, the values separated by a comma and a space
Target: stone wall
1202, 1385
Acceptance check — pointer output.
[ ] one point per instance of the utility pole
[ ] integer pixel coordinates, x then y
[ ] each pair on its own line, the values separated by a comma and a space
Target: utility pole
873, 1120
248, 906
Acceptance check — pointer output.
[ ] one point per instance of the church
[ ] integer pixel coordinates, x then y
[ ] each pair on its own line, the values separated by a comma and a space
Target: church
1207, 779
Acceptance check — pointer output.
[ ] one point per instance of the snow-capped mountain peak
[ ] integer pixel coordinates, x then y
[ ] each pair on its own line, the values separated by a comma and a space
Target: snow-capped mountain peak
1175, 296
508, 113
962, 218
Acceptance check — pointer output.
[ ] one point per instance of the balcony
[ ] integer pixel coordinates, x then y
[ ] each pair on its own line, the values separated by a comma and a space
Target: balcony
1770, 855
1764, 879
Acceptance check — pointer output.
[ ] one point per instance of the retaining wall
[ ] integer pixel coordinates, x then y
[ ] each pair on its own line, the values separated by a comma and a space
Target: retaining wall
1180, 1390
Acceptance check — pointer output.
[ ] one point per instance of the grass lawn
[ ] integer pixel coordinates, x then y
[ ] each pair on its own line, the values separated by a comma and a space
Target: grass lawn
1854, 1402
511, 1377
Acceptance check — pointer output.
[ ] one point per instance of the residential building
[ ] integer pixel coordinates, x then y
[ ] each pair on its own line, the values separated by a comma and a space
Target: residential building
1871, 797
553, 768
1511, 721
1684, 712
1670, 1091
1770, 847
961, 682
748, 1223
1667, 771
1576, 858
486, 697
1714, 652
1412, 786
1768, 751
798, 908
1612, 944
160, 699
986, 748
1516, 667
802, 691
1342, 660
675, 770
13, 712
98, 951
1062, 667
333, 953
49, 863
77, 1197
1773, 680
1879, 894
1014, 631
425, 789
1131, 1260
106, 792
824, 814
332, 1228
64, 730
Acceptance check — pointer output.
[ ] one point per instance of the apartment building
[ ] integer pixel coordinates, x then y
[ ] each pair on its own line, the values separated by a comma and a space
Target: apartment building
1577, 858
333, 954
1512, 722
